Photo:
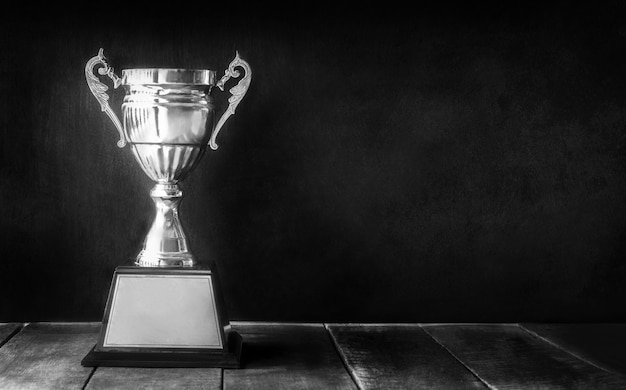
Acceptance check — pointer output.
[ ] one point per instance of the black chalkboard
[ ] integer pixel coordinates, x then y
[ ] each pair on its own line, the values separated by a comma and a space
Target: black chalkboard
434, 165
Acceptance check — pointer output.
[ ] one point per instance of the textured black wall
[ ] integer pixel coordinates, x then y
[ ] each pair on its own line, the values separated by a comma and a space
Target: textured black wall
440, 166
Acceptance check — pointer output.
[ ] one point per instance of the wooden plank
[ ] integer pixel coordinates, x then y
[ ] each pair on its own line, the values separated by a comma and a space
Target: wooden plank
155, 378
603, 345
508, 357
287, 356
47, 356
399, 357
7, 330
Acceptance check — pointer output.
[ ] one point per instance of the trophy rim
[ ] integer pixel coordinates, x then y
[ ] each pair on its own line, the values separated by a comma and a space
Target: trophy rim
176, 76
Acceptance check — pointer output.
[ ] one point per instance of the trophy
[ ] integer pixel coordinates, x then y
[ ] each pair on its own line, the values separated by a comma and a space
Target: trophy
166, 310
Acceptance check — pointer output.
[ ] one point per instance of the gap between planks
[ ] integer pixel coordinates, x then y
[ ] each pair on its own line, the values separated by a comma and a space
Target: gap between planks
93, 371
468, 368
342, 356
562, 348
14, 332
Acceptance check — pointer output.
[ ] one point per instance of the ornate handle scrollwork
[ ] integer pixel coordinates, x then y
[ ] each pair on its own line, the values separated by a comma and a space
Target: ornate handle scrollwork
99, 89
237, 92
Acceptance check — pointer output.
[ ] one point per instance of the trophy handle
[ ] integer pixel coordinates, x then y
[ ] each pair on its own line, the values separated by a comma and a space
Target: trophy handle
98, 89
237, 92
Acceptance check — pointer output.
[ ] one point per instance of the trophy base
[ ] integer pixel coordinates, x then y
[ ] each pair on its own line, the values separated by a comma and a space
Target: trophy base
165, 317
230, 358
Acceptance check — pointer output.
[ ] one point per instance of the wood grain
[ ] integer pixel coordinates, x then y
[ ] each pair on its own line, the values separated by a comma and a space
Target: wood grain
155, 378
604, 345
508, 357
399, 357
47, 356
281, 356
7, 331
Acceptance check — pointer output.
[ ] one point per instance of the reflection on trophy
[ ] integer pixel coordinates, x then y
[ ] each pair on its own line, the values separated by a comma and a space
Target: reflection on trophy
166, 310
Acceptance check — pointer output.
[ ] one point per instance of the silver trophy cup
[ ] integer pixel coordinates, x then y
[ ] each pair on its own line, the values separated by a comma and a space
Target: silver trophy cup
168, 119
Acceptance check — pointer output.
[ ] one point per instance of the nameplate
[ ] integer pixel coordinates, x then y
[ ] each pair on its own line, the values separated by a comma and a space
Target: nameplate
162, 310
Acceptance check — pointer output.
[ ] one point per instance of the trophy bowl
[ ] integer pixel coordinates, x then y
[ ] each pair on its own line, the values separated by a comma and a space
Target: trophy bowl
168, 120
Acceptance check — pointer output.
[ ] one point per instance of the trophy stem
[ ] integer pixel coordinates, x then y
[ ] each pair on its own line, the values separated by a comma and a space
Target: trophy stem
166, 244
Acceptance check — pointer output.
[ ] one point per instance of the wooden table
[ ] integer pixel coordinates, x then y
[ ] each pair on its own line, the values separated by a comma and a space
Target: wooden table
340, 356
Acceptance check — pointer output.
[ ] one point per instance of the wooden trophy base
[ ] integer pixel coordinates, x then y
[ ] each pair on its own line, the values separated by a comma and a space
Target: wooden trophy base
165, 317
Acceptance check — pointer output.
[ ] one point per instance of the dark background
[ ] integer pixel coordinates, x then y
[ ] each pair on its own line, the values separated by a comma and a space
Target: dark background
425, 165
